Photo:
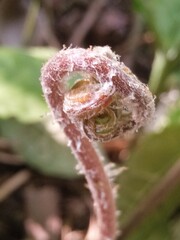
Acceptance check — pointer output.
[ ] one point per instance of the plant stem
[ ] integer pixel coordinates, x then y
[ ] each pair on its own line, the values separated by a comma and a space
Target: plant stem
89, 159
78, 111
98, 182
158, 72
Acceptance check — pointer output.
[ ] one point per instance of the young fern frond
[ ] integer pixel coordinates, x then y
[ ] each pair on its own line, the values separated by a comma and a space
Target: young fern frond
95, 97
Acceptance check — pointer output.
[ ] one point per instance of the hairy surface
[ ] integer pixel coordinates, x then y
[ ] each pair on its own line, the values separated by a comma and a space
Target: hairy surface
94, 96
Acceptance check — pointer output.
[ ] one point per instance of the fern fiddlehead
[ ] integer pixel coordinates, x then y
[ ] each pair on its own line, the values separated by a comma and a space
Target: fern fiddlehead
95, 97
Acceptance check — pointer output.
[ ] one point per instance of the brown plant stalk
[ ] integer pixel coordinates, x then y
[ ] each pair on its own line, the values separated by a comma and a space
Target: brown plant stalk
95, 97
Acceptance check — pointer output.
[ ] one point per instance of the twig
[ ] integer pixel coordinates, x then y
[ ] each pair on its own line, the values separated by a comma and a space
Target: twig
156, 196
129, 47
87, 22
30, 21
46, 31
12, 184
12, 159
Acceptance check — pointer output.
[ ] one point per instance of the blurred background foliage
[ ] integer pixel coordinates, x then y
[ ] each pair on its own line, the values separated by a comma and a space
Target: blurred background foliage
37, 169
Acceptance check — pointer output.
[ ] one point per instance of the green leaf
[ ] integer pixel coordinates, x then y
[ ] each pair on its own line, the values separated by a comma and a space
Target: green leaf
173, 80
20, 91
39, 149
158, 224
151, 159
42, 53
163, 18
176, 228
174, 114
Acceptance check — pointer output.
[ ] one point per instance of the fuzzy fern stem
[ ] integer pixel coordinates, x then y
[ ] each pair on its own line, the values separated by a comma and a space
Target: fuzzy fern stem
105, 101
